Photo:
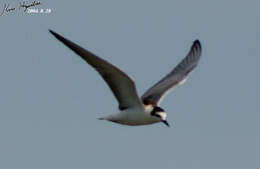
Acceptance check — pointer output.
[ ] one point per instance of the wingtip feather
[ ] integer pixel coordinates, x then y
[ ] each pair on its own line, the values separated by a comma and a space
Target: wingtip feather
197, 43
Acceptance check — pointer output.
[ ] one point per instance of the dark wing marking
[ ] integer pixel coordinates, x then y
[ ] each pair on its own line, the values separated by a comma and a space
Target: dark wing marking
123, 87
175, 77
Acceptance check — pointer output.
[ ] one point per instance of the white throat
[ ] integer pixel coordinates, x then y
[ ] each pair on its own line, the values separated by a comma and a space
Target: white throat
163, 115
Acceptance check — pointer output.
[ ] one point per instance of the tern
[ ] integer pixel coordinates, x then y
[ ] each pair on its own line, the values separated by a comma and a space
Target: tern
135, 111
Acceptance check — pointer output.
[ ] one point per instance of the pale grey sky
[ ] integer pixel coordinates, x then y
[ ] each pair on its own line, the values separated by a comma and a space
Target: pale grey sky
50, 99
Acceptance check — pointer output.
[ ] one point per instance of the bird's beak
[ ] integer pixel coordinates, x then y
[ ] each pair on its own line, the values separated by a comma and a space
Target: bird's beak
166, 123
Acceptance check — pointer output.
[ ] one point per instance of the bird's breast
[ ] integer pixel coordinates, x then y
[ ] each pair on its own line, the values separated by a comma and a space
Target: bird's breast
135, 117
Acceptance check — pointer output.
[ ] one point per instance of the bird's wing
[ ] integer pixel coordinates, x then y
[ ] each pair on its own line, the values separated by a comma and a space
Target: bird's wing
177, 76
122, 86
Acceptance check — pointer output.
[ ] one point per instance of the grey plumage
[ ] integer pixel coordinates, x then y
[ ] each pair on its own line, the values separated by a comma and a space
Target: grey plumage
175, 77
123, 86
134, 110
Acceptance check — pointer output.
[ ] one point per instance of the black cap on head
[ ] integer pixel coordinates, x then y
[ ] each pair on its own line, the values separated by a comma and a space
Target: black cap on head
156, 109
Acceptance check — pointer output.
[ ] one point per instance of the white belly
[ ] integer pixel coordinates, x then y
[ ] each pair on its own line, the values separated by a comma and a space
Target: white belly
133, 117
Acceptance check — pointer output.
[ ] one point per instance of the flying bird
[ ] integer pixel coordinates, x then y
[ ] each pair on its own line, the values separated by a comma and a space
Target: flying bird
134, 110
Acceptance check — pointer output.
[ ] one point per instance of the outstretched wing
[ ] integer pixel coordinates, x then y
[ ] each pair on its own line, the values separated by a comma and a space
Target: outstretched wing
122, 86
177, 76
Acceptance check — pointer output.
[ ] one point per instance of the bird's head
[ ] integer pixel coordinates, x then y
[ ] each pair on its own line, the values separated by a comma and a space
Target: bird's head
159, 113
